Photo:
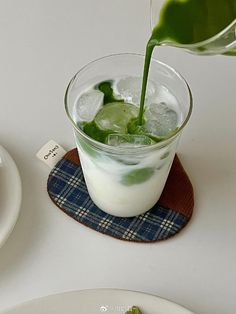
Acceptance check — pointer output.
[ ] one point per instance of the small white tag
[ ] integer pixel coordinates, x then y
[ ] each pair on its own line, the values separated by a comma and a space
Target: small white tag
51, 153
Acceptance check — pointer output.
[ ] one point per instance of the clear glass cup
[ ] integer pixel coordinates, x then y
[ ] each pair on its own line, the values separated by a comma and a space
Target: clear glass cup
126, 181
222, 43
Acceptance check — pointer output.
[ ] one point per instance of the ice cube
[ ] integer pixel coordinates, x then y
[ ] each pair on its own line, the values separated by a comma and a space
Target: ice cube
129, 89
115, 116
163, 95
162, 125
129, 140
88, 105
160, 119
157, 109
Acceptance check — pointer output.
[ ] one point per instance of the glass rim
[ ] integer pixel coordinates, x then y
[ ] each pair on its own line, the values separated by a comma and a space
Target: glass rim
200, 43
127, 150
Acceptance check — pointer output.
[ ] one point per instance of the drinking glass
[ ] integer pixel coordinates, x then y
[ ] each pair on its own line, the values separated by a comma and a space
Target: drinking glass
126, 181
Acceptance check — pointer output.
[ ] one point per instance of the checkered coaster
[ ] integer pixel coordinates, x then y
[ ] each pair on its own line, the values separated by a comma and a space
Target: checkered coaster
67, 189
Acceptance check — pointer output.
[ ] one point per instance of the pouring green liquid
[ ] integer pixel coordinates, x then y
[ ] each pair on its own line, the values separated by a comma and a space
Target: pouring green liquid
187, 22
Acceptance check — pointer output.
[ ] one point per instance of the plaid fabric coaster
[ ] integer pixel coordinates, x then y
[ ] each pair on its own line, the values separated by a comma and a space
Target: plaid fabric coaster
67, 189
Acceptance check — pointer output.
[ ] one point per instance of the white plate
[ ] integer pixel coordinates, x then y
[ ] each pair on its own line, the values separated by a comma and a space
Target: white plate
10, 194
108, 301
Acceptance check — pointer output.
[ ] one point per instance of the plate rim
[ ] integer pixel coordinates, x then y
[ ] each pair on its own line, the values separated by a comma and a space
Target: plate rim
16, 212
89, 290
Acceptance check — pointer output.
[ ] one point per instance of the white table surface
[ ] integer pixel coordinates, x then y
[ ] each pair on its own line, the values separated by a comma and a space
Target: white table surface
43, 43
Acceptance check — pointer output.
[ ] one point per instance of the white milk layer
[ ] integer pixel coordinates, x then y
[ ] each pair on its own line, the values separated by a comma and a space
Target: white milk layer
103, 176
